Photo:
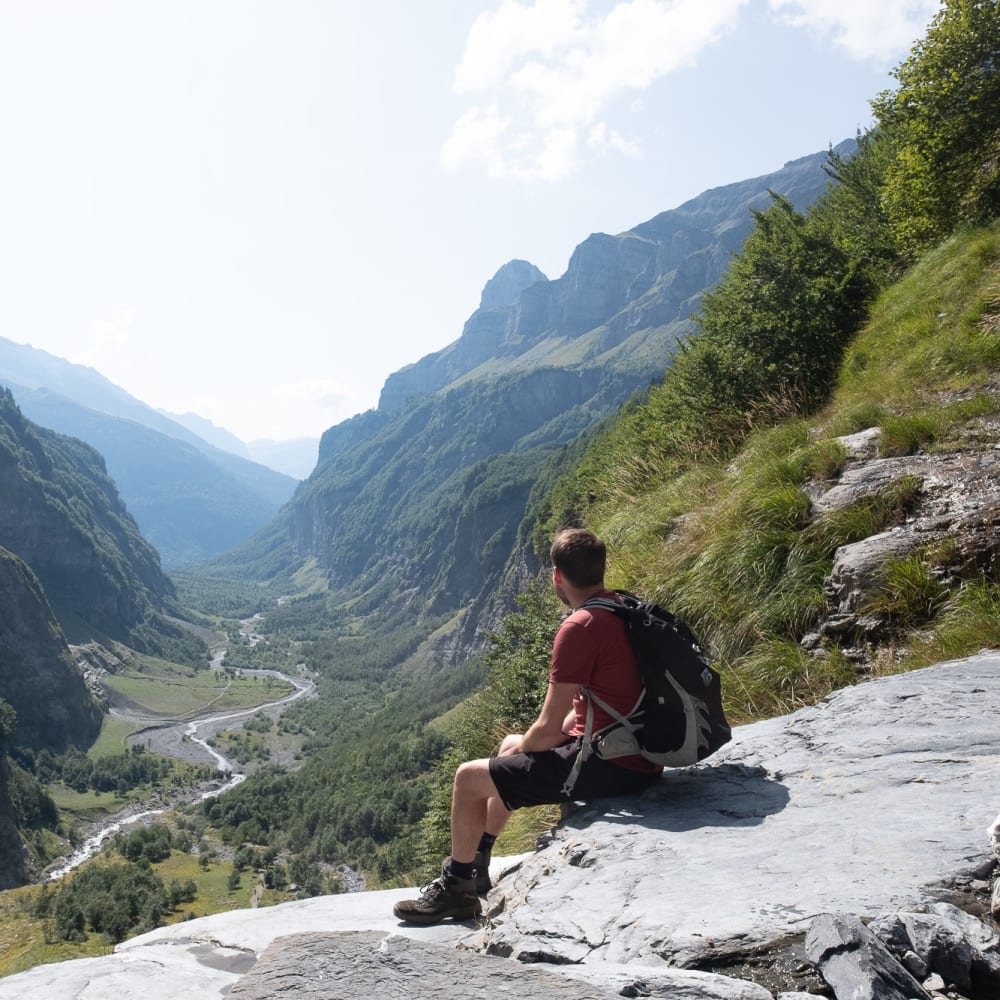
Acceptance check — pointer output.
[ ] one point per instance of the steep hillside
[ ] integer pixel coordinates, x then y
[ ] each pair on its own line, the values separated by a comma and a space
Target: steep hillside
858, 539
418, 502
190, 502
62, 516
191, 499
39, 681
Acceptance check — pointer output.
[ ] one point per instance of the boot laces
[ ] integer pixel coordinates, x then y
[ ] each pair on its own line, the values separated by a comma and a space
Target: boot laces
433, 890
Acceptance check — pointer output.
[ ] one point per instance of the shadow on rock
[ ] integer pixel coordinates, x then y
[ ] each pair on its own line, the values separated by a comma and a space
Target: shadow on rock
729, 795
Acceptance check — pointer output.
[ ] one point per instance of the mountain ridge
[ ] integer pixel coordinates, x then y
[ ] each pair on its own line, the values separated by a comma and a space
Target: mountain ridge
191, 498
461, 438
649, 277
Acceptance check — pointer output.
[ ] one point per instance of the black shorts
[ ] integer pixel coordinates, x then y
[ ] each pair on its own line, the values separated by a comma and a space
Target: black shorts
537, 778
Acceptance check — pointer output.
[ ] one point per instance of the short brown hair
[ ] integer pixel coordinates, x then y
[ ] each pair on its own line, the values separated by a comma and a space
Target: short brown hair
580, 556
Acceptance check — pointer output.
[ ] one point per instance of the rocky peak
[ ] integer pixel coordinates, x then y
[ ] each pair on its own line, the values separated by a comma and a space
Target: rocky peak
505, 287
643, 279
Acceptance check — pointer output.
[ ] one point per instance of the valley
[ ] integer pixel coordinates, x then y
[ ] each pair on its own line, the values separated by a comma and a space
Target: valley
778, 405
183, 721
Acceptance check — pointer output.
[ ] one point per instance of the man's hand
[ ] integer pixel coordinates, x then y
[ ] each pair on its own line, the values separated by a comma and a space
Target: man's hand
547, 730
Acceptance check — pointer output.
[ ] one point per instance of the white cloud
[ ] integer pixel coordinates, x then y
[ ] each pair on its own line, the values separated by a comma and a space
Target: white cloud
543, 74
501, 38
482, 129
604, 139
864, 29
546, 78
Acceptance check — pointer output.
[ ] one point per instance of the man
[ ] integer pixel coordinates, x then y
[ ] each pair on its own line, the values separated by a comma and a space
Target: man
591, 648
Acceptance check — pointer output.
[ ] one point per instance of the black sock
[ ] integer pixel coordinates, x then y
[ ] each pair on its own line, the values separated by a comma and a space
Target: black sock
486, 842
459, 870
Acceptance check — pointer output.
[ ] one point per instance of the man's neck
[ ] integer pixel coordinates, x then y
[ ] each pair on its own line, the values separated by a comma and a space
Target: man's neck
577, 596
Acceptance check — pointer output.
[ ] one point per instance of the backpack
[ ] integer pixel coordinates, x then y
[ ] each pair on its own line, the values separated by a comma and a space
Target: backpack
678, 718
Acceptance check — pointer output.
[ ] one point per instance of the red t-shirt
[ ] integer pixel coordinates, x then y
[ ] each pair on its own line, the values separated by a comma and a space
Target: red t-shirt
592, 649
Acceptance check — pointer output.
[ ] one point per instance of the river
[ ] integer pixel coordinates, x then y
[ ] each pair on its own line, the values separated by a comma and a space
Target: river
187, 740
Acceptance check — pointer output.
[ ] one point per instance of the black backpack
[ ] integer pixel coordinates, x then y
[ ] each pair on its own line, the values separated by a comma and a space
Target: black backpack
678, 719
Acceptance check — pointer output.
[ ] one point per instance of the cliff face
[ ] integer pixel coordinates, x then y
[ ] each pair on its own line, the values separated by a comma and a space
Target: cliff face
62, 515
38, 679
435, 498
419, 501
645, 279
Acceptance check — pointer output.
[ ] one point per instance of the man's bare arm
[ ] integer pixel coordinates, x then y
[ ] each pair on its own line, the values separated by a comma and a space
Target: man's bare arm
547, 730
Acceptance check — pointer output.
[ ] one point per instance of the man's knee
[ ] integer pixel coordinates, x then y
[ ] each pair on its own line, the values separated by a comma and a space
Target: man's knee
473, 779
509, 742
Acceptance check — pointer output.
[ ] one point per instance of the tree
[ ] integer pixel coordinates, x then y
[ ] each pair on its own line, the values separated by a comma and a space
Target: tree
8, 722
774, 327
944, 125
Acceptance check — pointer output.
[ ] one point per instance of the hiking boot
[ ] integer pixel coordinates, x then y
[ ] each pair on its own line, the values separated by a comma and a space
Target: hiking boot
447, 896
483, 881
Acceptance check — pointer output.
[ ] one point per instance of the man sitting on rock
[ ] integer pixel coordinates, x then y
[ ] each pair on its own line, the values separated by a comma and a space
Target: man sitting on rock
590, 649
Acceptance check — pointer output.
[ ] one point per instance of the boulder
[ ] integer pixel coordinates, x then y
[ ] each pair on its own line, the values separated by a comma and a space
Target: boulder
855, 963
948, 942
957, 498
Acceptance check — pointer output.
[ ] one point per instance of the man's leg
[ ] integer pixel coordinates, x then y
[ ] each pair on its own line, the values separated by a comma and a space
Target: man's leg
474, 804
476, 808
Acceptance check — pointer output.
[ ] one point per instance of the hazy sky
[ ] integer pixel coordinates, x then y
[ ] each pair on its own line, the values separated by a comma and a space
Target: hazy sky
256, 210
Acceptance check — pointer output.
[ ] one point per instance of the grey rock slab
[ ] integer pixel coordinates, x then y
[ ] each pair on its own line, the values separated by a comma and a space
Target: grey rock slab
952, 485
677, 984
863, 444
202, 959
369, 964
873, 800
856, 964
859, 569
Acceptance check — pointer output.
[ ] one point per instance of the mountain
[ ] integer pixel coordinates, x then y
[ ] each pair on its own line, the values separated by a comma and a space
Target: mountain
62, 516
295, 457
417, 503
73, 564
190, 498
217, 437
72, 559
623, 301
39, 680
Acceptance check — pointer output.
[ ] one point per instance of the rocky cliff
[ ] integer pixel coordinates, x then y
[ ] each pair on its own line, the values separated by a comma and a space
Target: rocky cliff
645, 281
417, 504
751, 875
63, 517
38, 678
